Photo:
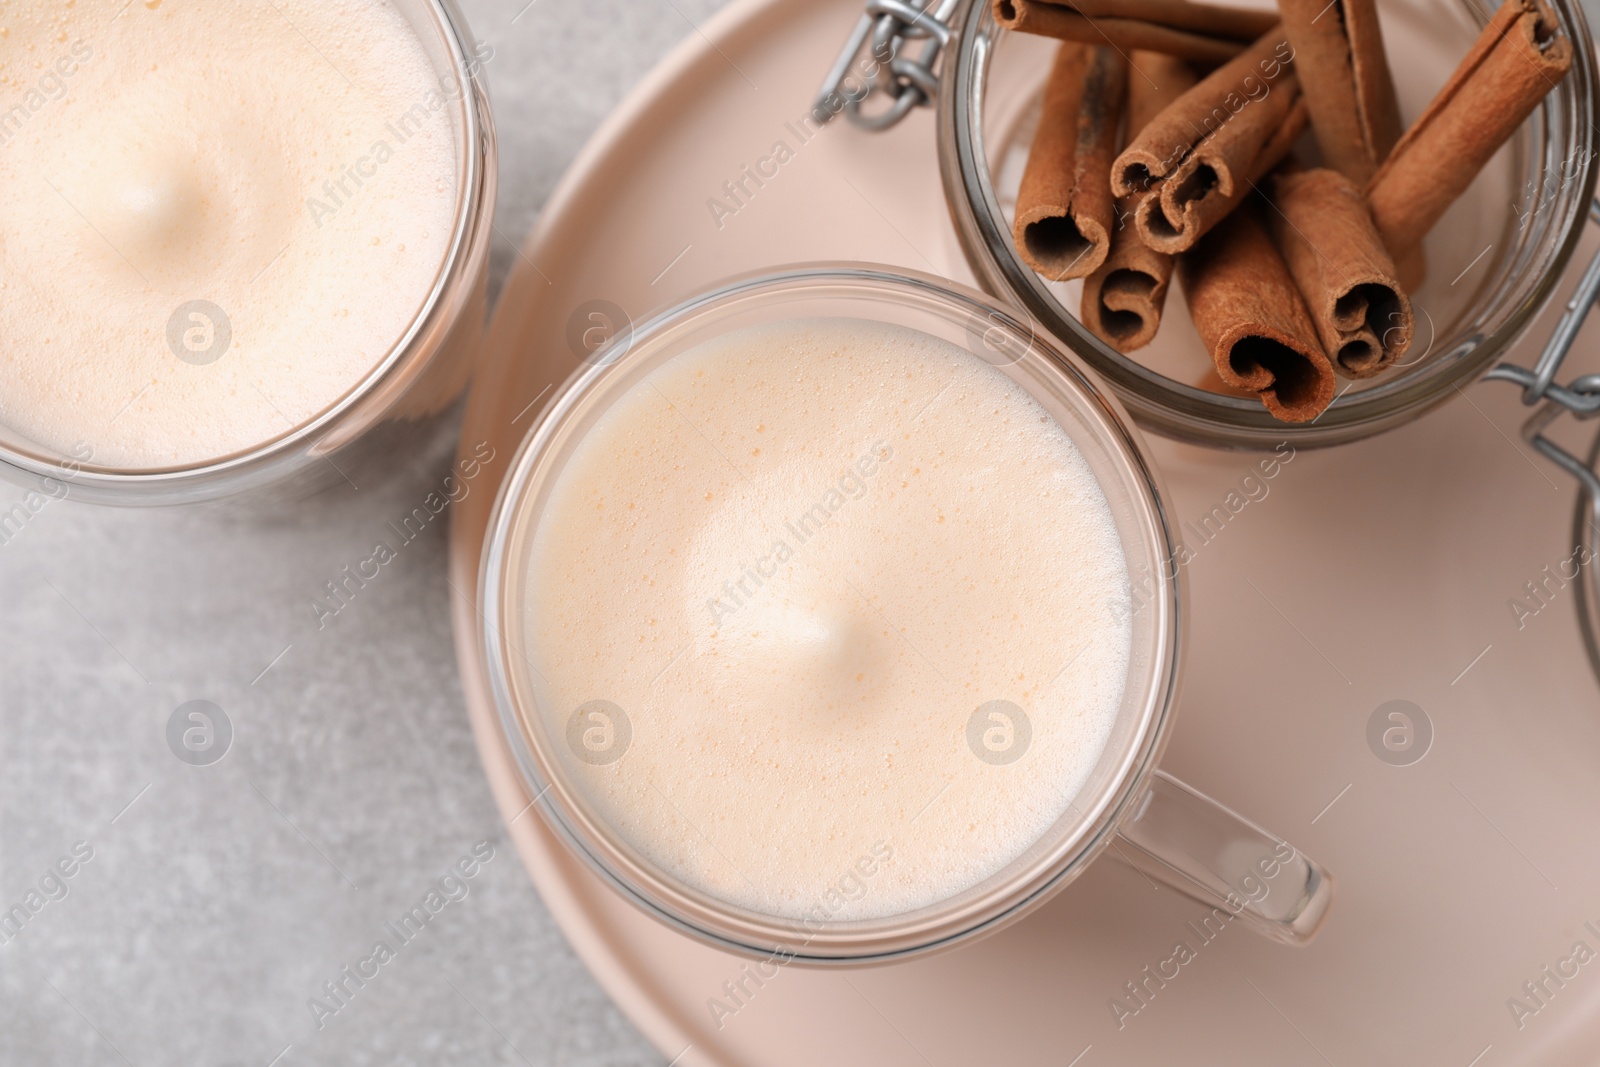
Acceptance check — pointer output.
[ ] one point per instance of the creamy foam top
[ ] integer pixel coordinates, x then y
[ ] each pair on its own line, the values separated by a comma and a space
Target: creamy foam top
292, 163
801, 560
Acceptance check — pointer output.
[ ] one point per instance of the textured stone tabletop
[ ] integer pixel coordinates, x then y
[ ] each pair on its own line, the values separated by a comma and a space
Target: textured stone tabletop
207, 904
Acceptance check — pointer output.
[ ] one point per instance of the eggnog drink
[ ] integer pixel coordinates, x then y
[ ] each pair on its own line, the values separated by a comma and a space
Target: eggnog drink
216, 218
827, 617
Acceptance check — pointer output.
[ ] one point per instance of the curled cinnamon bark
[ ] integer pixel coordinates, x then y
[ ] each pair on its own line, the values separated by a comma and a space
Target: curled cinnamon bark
1123, 300
1200, 32
1520, 56
1253, 320
1064, 212
1203, 153
1187, 207
1344, 73
1343, 270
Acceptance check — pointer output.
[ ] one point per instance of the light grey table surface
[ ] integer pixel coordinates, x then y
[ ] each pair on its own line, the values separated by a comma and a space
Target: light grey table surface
219, 899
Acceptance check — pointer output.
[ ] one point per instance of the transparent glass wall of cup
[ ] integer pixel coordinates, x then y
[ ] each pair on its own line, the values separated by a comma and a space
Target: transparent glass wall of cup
1168, 829
1528, 206
401, 399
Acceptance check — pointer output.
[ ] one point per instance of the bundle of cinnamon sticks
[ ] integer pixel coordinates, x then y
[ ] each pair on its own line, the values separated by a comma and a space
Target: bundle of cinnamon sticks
1168, 140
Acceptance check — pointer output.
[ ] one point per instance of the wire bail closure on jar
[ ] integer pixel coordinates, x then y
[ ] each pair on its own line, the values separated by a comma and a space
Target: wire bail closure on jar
891, 25
1580, 397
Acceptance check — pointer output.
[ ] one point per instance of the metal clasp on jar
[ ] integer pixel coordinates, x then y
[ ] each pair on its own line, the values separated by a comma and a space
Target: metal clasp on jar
882, 37
1580, 397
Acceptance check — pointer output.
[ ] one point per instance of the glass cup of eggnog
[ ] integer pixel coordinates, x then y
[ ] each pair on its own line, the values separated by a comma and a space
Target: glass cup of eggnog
834, 614
243, 246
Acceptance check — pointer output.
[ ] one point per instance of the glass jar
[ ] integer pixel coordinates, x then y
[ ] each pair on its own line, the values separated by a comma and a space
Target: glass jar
1165, 828
988, 97
402, 397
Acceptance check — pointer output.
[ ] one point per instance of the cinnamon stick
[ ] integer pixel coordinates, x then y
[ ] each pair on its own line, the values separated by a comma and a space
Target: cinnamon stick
1253, 320
1200, 32
1155, 83
1344, 72
1175, 219
1520, 56
1123, 299
1204, 152
1236, 23
1064, 210
1347, 277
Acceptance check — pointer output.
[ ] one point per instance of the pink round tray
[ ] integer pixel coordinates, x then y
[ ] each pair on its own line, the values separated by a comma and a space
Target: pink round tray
1380, 571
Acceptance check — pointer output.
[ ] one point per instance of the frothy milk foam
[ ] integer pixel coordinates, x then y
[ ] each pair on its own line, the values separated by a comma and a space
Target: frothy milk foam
800, 559
291, 163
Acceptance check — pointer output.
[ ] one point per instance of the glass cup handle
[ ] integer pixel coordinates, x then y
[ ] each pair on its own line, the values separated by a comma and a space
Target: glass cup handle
1188, 841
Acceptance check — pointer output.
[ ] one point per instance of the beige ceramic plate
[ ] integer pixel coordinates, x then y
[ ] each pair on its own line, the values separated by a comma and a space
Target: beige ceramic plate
1378, 572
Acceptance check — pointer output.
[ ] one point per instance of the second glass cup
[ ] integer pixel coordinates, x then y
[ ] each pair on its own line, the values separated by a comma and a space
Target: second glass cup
248, 325
716, 881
